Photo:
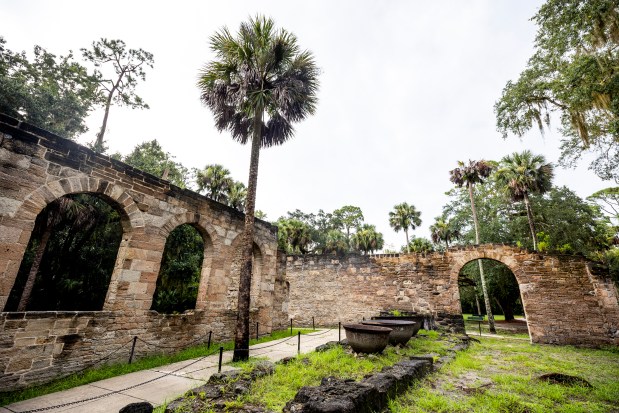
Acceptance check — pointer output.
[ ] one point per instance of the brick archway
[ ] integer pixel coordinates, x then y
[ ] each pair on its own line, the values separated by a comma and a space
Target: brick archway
20, 220
211, 261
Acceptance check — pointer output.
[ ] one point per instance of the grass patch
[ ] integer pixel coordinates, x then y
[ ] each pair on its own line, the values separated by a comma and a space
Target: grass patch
274, 391
501, 376
118, 369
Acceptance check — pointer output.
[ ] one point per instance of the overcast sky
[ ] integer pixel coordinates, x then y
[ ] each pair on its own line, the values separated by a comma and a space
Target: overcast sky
407, 89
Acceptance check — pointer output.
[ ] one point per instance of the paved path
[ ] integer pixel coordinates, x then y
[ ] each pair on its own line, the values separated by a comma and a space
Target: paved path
160, 384
476, 334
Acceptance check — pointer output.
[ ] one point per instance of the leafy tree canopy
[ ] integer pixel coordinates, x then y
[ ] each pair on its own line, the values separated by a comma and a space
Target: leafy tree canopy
52, 92
573, 75
150, 157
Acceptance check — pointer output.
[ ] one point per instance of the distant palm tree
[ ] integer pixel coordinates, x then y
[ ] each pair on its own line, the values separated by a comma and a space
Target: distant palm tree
475, 172
215, 180
522, 174
403, 217
367, 239
443, 230
59, 210
237, 194
258, 85
336, 242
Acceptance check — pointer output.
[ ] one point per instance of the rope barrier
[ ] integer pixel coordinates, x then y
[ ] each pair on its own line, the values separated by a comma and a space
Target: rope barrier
171, 373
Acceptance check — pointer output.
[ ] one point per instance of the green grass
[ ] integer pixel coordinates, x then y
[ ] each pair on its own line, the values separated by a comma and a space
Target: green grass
473, 327
118, 369
501, 376
274, 391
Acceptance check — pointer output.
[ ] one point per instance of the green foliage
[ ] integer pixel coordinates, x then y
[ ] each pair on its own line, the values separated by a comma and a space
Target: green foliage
150, 157
347, 218
215, 181
418, 245
444, 230
572, 75
237, 194
501, 376
608, 201
179, 275
293, 236
117, 72
522, 174
274, 391
367, 239
78, 260
52, 92
336, 242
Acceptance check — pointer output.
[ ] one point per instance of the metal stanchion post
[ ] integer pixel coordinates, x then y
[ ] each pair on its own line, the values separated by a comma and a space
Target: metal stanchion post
339, 331
313, 325
221, 356
299, 343
257, 331
291, 326
135, 339
208, 346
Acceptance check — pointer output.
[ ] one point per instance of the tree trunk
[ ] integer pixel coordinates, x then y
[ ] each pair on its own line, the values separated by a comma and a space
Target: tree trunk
527, 204
98, 147
408, 247
241, 339
34, 269
481, 266
477, 302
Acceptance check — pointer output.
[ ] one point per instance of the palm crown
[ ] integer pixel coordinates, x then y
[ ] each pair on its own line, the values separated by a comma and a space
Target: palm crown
260, 70
524, 173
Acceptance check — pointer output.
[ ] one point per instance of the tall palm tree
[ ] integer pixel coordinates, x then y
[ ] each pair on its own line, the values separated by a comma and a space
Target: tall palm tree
259, 83
216, 181
522, 174
475, 172
404, 216
443, 230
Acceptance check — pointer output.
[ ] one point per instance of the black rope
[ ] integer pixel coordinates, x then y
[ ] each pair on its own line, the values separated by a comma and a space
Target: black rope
174, 347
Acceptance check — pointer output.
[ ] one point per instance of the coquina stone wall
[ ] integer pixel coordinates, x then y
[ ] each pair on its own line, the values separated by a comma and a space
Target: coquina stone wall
564, 302
37, 167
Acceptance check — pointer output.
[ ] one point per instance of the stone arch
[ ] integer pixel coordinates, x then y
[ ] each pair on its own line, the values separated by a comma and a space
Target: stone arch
212, 246
233, 273
503, 255
22, 218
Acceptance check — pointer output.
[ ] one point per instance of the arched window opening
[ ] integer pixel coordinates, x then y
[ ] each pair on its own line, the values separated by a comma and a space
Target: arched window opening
70, 257
179, 275
503, 292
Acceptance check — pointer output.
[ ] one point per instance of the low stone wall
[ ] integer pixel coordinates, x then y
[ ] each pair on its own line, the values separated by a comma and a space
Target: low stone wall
36, 347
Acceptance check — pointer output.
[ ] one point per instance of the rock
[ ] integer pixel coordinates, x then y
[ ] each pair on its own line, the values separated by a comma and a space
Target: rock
140, 407
208, 391
565, 379
327, 346
224, 377
263, 368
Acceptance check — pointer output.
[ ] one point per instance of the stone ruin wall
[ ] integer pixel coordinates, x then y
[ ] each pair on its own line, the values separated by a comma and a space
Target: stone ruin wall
564, 302
37, 167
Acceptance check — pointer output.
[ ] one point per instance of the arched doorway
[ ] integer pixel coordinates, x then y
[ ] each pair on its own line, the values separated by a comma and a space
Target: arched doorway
70, 257
504, 293
180, 271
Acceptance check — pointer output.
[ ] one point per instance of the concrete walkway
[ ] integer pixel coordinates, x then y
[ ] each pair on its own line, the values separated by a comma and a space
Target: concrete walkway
160, 384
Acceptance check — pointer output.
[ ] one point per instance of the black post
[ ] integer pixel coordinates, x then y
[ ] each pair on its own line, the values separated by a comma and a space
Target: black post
291, 326
479, 323
221, 356
339, 331
257, 330
208, 346
313, 326
299, 343
135, 338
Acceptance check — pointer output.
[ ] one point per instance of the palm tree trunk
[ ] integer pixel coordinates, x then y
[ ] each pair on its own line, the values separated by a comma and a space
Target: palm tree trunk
241, 339
34, 269
477, 303
408, 248
481, 266
527, 204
